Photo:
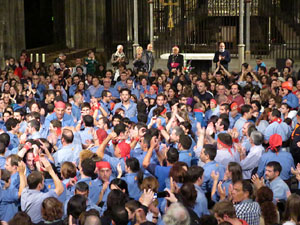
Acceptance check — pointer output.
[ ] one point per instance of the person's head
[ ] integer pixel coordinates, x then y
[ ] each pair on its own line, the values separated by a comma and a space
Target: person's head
67, 136
76, 205
85, 108
224, 141
12, 125
60, 109
172, 155
234, 89
160, 99
175, 50
78, 98
222, 124
224, 108
82, 188
222, 47
272, 170
88, 121
35, 180
208, 153
120, 48
179, 172
188, 194
242, 190
68, 170
195, 174
246, 111
33, 126
5, 139
29, 160
234, 171
175, 134
275, 114
52, 209
119, 215
125, 94
11, 163
104, 170
119, 184
185, 142
176, 215
20, 218
87, 167
201, 86
224, 211
95, 81
256, 138
292, 207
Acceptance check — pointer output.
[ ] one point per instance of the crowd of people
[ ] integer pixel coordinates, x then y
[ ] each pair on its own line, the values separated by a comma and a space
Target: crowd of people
88, 145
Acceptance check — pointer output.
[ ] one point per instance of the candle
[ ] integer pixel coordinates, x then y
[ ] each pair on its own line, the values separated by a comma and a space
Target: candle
31, 57
37, 57
43, 58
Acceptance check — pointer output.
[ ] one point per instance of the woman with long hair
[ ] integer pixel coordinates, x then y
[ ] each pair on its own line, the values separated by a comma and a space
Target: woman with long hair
291, 215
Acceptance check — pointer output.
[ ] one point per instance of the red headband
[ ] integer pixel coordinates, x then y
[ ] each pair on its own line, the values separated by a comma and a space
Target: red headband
103, 165
60, 104
228, 147
234, 104
124, 149
275, 142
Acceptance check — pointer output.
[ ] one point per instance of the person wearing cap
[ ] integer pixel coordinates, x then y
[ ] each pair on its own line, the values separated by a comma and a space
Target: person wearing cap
175, 60
222, 56
287, 96
59, 114
103, 169
126, 104
277, 126
225, 151
274, 153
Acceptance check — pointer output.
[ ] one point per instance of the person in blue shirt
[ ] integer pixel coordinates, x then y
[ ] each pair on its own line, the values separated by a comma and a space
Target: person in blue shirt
122, 83
11, 165
259, 63
196, 176
2, 157
126, 104
160, 101
12, 126
106, 103
76, 106
185, 154
274, 153
133, 177
9, 197
279, 187
134, 91
33, 129
287, 96
86, 134
73, 87
246, 112
59, 114
207, 155
107, 87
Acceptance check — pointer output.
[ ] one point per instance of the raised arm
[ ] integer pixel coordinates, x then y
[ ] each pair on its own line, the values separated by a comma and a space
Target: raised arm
100, 150
21, 170
148, 156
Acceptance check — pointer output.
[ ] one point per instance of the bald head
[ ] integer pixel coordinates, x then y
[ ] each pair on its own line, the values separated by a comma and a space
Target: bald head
92, 220
68, 136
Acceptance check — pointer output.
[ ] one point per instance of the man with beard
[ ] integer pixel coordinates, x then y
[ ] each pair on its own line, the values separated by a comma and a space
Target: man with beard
128, 106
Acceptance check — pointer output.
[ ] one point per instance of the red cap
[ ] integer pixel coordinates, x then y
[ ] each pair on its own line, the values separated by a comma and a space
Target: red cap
60, 104
214, 101
101, 134
124, 149
234, 104
275, 142
287, 85
103, 165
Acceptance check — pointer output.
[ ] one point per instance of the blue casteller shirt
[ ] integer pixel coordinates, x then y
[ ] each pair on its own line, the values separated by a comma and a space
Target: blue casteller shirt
130, 112
208, 168
133, 185
8, 203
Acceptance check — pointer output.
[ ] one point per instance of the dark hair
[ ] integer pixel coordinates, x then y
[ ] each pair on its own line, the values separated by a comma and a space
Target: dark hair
224, 208
247, 187
119, 215
172, 155
76, 205
115, 198
2, 148
120, 128
5, 139
11, 123
245, 109
20, 218
20, 99
225, 122
225, 138
88, 167
236, 171
194, 172
276, 113
185, 141
188, 194
34, 179
125, 89
275, 165
5, 175
210, 150
88, 121
82, 187
120, 184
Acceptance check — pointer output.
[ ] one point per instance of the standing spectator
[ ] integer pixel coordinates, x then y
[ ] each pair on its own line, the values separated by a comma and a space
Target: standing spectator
90, 63
148, 58
222, 56
175, 60
119, 57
